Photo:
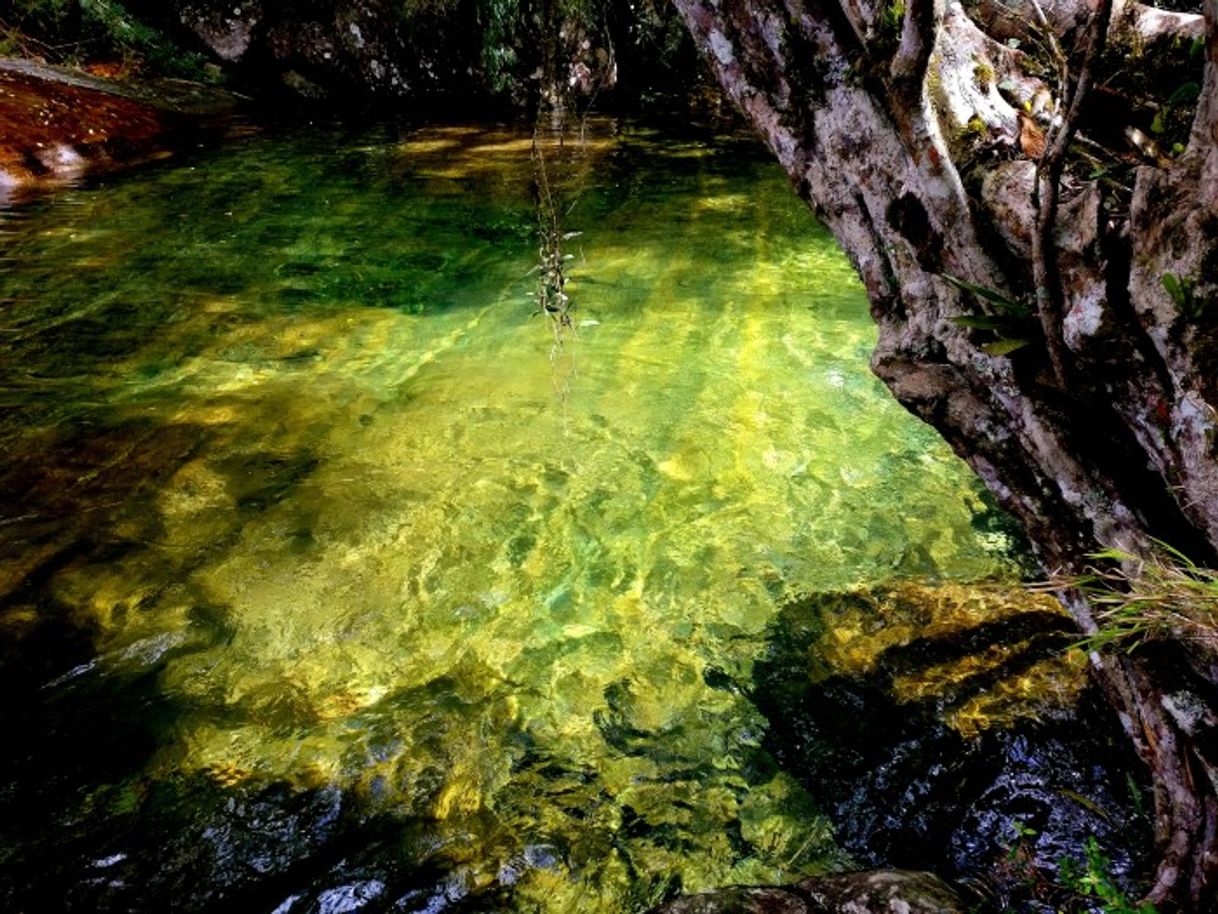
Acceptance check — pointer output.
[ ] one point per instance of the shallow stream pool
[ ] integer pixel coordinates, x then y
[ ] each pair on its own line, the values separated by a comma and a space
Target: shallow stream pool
327, 582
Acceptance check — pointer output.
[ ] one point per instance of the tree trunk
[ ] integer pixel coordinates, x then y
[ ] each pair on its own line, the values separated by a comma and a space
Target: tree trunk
1044, 288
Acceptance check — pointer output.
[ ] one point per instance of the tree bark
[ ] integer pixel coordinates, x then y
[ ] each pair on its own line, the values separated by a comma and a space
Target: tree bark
971, 184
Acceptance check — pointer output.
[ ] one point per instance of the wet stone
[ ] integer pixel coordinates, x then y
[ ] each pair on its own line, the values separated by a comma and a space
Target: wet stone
882, 892
740, 901
896, 708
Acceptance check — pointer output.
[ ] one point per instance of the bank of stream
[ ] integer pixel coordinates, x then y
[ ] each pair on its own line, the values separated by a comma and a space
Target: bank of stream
327, 583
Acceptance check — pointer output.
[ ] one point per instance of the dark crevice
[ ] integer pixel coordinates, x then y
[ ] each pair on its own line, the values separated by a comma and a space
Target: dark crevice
933, 651
1102, 440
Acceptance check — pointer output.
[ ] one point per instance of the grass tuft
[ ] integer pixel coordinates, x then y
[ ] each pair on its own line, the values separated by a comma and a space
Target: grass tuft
1164, 595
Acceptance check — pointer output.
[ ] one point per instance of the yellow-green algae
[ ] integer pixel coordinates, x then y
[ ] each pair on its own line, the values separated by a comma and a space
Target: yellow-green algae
865, 624
296, 389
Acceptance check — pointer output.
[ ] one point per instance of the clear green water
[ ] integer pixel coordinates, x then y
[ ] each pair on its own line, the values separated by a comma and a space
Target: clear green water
276, 426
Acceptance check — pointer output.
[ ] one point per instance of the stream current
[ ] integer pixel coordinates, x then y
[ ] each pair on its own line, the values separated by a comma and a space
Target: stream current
327, 583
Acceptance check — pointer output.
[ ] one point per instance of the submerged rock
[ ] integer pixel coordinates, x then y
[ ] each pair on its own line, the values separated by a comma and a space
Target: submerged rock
943, 726
864, 892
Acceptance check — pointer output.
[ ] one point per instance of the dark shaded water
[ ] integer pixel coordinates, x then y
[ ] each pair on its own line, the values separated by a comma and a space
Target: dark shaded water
327, 584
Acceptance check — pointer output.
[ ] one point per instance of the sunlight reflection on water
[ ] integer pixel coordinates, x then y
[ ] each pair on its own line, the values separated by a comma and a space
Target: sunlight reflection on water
279, 426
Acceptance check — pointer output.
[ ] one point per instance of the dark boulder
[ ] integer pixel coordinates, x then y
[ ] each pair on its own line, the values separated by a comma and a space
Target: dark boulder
952, 730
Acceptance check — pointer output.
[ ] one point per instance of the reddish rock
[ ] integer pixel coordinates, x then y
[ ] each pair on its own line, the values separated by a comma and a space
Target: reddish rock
57, 126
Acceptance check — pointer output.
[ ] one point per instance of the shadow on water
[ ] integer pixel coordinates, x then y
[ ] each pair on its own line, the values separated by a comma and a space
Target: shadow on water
86, 828
87, 823
929, 720
86, 831
82, 823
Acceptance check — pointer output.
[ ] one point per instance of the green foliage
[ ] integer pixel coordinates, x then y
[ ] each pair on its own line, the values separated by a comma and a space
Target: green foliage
1179, 289
77, 31
113, 28
888, 27
1036, 62
552, 299
516, 37
1086, 885
1174, 118
42, 16
975, 127
1005, 346
983, 74
1182, 295
1004, 304
893, 15
502, 27
1012, 322
1020, 835
1091, 879
460, 48
11, 44
33, 27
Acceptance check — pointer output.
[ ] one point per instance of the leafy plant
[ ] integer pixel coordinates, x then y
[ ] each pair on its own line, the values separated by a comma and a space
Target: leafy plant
35, 28
502, 24
552, 298
111, 29
1182, 295
77, 31
1075, 885
1092, 878
1011, 322
1174, 117
888, 26
1020, 833
893, 15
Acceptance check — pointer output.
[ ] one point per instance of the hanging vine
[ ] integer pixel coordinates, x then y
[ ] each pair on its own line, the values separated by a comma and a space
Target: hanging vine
559, 167
553, 301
